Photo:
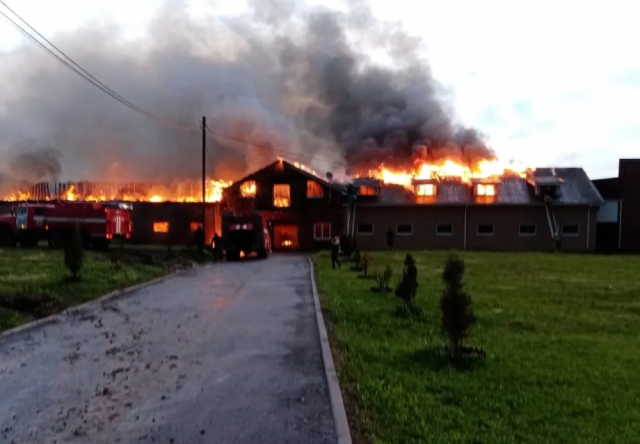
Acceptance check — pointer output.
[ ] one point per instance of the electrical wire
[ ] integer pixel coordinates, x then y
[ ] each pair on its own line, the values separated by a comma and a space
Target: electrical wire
86, 75
83, 73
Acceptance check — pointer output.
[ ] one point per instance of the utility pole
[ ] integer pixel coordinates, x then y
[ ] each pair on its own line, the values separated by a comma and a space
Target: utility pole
204, 173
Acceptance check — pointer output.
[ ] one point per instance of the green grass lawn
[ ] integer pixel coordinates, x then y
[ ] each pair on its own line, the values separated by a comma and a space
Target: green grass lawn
35, 281
562, 336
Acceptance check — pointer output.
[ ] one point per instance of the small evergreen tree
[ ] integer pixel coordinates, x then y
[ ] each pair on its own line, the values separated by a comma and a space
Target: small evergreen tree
408, 286
383, 278
357, 259
457, 312
386, 277
73, 254
366, 262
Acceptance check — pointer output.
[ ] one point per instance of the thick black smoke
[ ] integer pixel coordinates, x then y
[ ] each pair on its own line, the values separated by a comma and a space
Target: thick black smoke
298, 79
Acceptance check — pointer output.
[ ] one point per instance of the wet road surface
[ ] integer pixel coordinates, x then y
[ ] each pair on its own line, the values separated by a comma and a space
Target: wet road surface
223, 354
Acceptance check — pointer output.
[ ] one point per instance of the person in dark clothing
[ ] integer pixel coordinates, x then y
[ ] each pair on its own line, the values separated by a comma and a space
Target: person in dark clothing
335, 252
217, 247
390, 236
198, 237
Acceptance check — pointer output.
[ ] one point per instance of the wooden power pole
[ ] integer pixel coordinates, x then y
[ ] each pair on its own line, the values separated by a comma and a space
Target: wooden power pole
204, 173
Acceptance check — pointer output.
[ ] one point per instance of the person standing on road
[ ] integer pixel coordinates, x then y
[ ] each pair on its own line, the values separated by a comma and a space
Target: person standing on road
390, 236
198, 237
335, 252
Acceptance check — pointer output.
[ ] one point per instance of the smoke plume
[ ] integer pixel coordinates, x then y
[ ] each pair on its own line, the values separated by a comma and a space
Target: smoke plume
295, 78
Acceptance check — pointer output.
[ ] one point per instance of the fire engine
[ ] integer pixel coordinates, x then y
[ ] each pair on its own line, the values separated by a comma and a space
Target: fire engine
29, 223
243, 235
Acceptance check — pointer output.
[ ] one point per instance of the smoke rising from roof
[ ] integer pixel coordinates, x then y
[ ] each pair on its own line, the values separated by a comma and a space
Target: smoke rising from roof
297, 78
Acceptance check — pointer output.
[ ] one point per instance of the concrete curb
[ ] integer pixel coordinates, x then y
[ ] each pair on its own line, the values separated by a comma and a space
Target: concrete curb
56, 318
337, 405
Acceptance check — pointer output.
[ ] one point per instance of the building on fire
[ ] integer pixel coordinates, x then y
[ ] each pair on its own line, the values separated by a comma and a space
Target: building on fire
542, 210
302, 211
550, 208
160, 216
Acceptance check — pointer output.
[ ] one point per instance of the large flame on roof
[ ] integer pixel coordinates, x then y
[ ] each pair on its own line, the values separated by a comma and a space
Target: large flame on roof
177, 192
484, 169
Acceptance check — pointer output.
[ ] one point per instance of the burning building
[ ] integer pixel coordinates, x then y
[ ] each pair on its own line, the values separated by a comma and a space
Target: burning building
302, 210
492, 207
161, 213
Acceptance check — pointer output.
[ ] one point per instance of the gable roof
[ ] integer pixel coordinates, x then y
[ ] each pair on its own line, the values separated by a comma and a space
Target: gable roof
334, 186
577, 189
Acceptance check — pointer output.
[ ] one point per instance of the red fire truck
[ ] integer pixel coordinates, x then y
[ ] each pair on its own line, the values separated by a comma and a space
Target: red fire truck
29, 223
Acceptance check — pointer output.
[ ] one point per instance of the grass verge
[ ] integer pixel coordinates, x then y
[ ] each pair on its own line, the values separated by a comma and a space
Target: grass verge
33, 282
561, 335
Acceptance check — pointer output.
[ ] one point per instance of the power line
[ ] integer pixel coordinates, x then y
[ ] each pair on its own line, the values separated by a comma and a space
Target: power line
86, 75
80, 71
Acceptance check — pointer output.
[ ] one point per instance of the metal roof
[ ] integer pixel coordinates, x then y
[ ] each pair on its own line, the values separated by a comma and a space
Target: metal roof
577, 189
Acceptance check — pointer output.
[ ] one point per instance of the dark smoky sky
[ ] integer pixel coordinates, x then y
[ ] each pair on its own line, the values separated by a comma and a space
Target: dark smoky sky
297, 78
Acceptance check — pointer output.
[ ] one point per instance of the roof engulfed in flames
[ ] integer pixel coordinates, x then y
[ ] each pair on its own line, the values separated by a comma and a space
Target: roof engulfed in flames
185, 192
484, 169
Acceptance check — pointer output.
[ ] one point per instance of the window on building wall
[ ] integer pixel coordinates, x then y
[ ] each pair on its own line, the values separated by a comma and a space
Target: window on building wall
314, 189
248, 188
161, 227
195, 225
365, 228
570, 230
444, 229
485, 229
281, 195
367, 190
322, 231
527, 229
404, 229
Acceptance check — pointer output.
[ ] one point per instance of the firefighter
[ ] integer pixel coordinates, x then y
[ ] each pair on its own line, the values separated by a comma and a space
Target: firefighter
390, 236
335, 251
217, 247
198, 237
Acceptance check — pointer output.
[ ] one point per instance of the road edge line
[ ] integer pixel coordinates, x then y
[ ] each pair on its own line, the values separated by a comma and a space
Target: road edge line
113, 295
343, 433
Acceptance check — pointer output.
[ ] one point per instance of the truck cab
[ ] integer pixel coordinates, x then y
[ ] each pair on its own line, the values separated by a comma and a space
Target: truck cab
243, 235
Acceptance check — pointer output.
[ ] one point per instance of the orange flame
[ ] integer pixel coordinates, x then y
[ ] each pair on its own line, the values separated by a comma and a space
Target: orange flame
213, 193
484, 169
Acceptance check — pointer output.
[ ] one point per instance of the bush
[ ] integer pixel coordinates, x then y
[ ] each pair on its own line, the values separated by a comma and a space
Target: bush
366, 260
408, 287
383, 279
357, 260
117, 256
73, 254
457, 312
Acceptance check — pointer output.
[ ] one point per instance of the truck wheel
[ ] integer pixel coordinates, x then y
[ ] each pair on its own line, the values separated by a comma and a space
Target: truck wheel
100, 244
56, 239
232, 256
263, 254
7, 239
28, 241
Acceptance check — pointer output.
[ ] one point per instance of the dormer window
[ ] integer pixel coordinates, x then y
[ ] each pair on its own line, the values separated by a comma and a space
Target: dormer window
485, 189
365, 190
427, 189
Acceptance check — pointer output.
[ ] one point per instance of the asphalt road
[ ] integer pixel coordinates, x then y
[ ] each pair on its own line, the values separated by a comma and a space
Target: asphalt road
223, 354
